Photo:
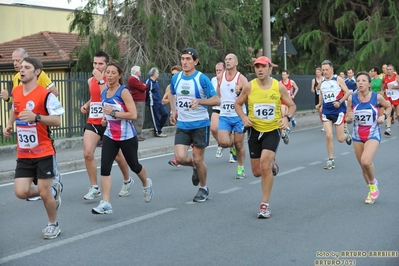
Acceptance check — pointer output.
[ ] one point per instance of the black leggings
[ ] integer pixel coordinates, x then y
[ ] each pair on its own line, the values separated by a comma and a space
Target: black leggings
111, 148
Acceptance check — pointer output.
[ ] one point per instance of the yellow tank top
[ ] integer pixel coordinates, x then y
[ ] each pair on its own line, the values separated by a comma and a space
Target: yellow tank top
264, 106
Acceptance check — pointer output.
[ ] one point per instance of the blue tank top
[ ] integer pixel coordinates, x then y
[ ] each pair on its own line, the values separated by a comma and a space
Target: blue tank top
117, 128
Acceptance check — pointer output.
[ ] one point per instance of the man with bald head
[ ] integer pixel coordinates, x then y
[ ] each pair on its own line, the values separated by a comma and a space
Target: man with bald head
230, 84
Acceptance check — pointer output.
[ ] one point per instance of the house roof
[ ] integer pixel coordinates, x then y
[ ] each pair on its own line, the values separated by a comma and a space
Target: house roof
50, 47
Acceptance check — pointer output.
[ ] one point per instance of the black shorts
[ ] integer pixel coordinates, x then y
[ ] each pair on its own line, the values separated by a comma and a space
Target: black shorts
98, 129
216, 111
258, 141
40, 168
198, 137
316, 99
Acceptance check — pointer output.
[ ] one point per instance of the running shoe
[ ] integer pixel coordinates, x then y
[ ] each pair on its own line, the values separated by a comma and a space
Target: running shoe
275, 169
148, 192
374, 192
264, 211
330, 165
195, 177
51, 231
240, 172
388, 131
348, 137
34, 198
125, 190
322, 129
231, 159
293, 121
369, 200
174, 163
93, 193
202, 195
58, 187
219, 152
103, 208
285, 136
233, 152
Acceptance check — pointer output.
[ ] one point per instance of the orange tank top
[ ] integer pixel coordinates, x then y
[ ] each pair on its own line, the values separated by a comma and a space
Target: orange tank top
33, 139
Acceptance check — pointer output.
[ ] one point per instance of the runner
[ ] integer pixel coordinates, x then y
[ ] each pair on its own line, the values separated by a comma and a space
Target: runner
264, 120
292, 89
165, 100
315, 88
365, 112
389, 88
119, 111
230, 84
94, 131
43, 80
219, 68
332, 98
191, 94
35, 110
376, 79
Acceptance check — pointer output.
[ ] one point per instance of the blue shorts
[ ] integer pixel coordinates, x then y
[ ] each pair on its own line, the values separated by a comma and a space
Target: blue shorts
231, 123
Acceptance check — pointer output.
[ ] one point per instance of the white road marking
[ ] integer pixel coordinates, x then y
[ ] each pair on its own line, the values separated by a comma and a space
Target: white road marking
281, 174
345, 153
63, 242
230, 190
316, 162
190, 202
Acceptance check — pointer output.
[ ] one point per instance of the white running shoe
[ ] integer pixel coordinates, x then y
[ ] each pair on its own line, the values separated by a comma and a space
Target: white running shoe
93, 193
125, 190
219, 152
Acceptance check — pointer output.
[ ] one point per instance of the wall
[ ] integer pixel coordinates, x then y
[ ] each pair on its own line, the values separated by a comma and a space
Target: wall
18, 21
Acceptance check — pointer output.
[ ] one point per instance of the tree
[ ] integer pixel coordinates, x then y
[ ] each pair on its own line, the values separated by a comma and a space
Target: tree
351, 33
153, 32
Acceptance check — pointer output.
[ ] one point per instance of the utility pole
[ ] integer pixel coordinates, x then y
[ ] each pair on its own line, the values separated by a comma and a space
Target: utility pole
266, 29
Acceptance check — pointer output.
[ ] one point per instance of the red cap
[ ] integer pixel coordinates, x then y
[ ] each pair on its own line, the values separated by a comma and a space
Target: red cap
262, 60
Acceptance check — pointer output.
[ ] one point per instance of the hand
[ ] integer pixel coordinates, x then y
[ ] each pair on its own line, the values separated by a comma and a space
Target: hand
381, 119
83, 109
336, 104
283, 122
7, 131
27, 116
293, 96
4, 94
247, 121
349, 117
194, 104
312, 90
104, 122
238, 89
173, 117
98, 75
107, 109
390, 86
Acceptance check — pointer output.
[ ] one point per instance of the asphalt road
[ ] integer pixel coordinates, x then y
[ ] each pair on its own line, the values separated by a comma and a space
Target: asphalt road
314, 212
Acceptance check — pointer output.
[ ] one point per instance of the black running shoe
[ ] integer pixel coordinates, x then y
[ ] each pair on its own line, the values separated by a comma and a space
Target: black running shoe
202, 195
195, 177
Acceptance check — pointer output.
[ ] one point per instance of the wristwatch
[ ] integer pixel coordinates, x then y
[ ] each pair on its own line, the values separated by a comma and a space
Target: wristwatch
101, 82
112, 114
289, 117
38, 118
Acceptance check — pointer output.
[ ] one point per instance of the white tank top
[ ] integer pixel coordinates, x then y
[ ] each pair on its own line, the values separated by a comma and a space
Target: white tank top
228, 95
187, 90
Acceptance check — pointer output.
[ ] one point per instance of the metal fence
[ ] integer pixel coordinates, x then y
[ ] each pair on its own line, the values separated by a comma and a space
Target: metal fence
73, 93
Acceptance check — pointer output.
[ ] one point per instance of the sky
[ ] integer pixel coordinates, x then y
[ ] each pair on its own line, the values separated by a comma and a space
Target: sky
49, 3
